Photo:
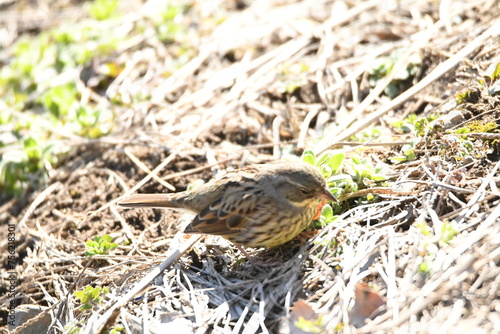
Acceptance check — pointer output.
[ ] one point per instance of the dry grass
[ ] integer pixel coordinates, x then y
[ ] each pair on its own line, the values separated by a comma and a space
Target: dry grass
228, 106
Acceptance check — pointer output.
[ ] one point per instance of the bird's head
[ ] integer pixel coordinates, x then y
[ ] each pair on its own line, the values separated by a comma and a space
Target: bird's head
302, 183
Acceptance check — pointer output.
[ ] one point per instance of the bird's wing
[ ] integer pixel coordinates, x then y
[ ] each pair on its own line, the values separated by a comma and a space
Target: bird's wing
226, 215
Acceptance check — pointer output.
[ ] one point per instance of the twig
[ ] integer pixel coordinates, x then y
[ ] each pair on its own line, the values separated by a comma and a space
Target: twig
101, 324
439, 71
145, 168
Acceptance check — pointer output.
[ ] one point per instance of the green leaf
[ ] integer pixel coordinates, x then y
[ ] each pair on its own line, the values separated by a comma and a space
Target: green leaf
90, 296
424, 268
462, 130
378, 178
91, 243
335, 162
327, 212
60, 99
309, 157
32, 149
462, 97
423, 227
496, 72
448, 232
5, 115
102, 9
79, 294
356, 159
310, 326
100, 245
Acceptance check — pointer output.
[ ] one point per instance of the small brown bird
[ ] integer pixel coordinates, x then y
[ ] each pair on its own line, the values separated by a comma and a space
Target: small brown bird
256, 206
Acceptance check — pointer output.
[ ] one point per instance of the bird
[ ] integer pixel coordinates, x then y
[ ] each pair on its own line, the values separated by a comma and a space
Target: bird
261, 205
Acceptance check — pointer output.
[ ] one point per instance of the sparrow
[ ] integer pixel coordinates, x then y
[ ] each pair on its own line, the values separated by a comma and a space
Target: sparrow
263, 205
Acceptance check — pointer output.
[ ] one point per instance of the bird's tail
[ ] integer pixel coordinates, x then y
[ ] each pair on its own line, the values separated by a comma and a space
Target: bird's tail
150, 201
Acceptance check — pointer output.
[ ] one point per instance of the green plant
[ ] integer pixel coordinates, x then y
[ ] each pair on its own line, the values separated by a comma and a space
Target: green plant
100, 246
437, 236
384, 65
90, 297
408, 151
330, 164
447, 232
442, 232
364, 173
73, 327
357, 173
102, 9
327, 217
316, 325
45, 92
291, 77
168, 21
419, 126
36, 110
18, 167
367, 135
424, 268
344, 177
490, 80
116, 330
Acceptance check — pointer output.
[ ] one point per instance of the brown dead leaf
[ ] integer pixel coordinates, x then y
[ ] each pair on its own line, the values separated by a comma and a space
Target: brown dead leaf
302, 320
302, 309
367, 301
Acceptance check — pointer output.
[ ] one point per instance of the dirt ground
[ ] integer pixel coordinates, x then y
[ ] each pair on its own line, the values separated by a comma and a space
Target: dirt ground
277, 78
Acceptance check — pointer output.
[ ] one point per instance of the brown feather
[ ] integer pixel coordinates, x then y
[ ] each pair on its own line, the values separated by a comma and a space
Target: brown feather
216, 220
150, 201
261, 205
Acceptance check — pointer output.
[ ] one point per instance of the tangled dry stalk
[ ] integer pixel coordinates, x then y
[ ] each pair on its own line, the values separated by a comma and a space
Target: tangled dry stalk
277, 77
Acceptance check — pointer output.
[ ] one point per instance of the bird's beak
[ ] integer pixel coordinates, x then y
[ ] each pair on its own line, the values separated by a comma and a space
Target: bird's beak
327, 195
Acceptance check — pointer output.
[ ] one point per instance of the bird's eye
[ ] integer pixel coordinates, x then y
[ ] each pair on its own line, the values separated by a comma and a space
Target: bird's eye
305, 192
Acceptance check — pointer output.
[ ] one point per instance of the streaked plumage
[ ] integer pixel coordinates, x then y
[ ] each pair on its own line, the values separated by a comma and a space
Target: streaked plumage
257, 206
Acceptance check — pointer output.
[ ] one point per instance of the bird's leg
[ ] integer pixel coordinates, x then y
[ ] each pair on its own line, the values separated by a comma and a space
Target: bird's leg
304, 236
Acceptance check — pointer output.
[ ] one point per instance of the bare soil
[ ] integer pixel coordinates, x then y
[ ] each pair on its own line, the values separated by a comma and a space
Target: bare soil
227, 109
